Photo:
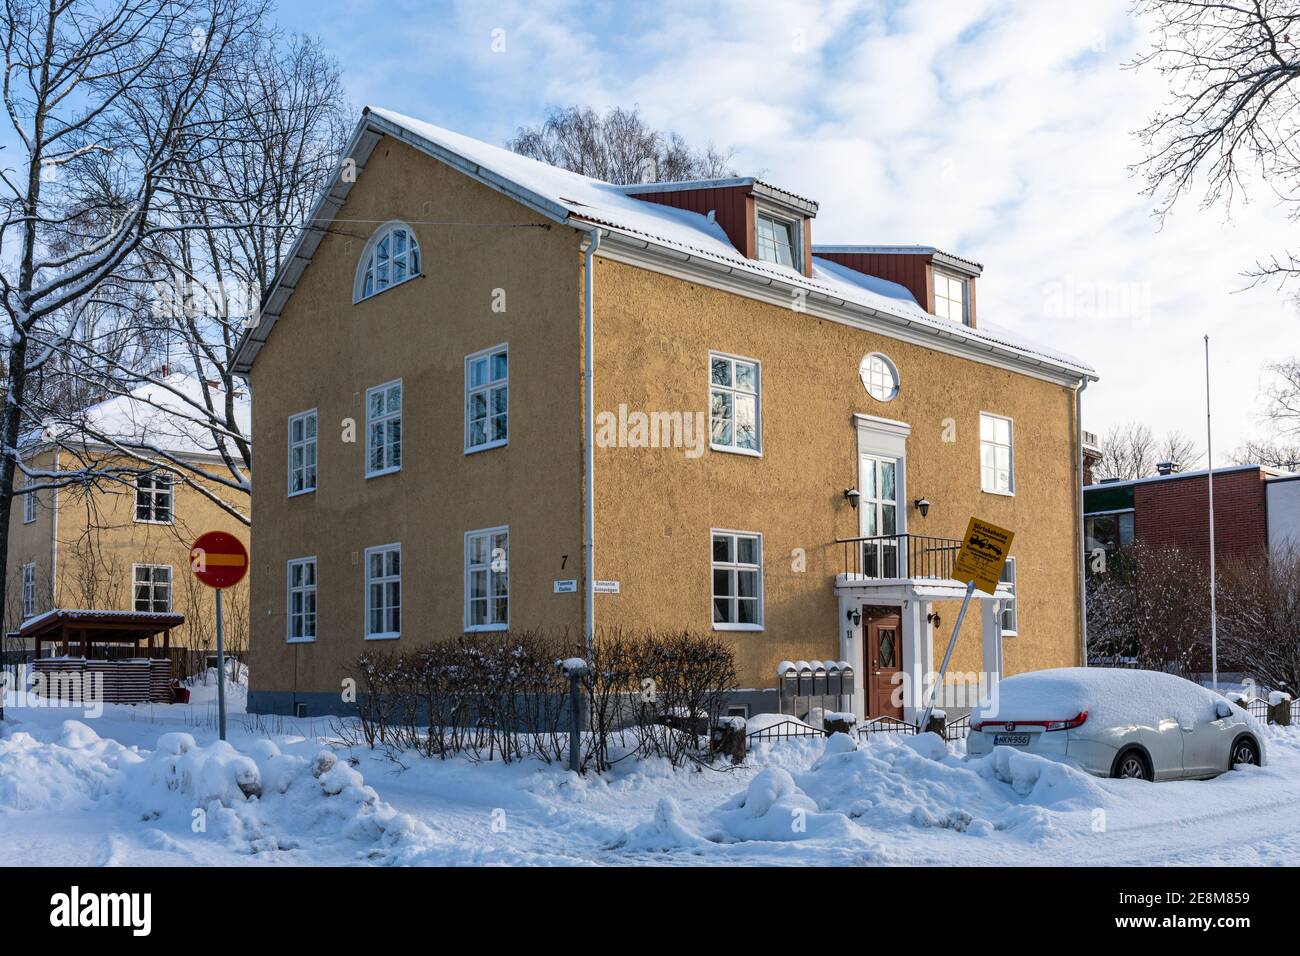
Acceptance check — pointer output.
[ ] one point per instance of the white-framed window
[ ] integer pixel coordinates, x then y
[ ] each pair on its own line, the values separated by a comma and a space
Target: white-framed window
737, 580
1008, 577
302, 453
384, 592
153, 499
997, 456
487, 579
29, 590
29, 507
391, 256
301, 614
878, 515
487, 398
735, 408
384, 429
153, 587
776, 239
950, 297
879, 377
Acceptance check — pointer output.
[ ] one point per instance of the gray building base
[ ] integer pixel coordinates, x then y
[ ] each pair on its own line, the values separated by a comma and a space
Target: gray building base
289, 704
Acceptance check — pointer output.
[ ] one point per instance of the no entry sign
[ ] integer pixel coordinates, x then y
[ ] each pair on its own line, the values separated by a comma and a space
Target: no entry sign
219, 559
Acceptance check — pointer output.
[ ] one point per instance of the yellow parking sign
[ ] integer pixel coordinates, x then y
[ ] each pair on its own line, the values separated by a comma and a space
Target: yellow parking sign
983, 552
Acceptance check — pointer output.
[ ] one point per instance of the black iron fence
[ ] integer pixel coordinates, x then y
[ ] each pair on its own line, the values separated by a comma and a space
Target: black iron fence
899, 556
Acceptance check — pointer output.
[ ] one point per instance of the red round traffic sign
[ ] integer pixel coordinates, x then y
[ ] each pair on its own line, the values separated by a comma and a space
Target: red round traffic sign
219, 559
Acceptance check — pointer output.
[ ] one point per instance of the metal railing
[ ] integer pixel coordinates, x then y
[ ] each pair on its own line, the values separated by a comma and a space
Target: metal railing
899, 556
885, 725
785, 730
959, 729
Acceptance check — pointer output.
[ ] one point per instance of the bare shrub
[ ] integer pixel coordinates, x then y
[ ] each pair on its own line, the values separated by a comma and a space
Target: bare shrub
1151, 604
503, 696
1259, 618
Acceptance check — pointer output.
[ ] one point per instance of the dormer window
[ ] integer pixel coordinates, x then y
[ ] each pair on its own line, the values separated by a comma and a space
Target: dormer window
950, 298
391, 257
776, 240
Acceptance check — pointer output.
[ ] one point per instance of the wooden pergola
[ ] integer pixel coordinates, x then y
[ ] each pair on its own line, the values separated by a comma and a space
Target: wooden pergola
86, 629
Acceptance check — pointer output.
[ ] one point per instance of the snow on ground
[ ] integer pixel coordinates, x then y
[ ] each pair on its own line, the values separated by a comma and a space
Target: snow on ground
153, 785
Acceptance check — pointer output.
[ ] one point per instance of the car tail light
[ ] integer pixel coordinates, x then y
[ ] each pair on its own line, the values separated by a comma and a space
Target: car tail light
1075, 721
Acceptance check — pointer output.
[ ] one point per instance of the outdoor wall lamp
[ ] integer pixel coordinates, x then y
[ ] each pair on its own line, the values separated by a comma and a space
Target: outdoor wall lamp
922, 505
852, 495
855, 617
932, 618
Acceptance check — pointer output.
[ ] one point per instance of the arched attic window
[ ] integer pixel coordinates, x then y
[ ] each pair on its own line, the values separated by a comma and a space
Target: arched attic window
391, 256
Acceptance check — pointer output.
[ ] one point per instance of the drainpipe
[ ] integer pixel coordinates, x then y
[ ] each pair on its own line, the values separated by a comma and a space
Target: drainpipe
1083, 541
54, 539
589, 438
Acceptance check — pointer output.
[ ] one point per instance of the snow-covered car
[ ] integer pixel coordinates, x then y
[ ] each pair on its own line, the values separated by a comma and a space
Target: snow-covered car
1118, 723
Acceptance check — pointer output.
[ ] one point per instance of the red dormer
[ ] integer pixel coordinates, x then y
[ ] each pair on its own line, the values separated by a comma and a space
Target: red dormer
762, 221
943, 284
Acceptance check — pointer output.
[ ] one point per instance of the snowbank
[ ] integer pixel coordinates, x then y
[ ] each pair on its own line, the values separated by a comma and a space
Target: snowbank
856, 793
253, 802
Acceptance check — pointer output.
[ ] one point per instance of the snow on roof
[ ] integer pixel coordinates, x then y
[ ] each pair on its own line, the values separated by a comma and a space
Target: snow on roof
569, 197
609, 205
1268, 473
155, 414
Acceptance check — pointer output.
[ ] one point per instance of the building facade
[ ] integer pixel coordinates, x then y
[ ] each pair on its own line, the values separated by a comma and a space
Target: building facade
1256, 510
786, 440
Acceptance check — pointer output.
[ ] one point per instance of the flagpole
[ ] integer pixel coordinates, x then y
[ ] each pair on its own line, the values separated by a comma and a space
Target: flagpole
1209, 456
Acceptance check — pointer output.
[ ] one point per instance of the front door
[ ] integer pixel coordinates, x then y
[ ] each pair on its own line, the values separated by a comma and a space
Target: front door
882, 657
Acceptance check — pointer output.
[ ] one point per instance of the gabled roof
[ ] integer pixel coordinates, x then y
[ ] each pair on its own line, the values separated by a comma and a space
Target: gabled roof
757, 186
155, 414
944, 258
680, 237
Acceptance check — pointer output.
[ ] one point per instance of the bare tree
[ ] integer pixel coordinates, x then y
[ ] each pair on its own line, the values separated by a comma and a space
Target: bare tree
106, 103
617, 147
1231, 69
285, 119
1282, 395
1178, 450
1259, 619
1272, 454
1131, 451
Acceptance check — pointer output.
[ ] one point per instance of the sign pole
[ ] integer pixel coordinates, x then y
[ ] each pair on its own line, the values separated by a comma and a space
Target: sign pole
219, 560
947, 656
221, 675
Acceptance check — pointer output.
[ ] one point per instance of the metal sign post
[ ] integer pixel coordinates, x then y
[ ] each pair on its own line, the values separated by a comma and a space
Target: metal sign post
947, 656
219, 560
979, 564
221, 675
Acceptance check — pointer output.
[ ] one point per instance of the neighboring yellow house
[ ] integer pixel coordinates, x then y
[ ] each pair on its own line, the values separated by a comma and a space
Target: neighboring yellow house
784, 441
124, 544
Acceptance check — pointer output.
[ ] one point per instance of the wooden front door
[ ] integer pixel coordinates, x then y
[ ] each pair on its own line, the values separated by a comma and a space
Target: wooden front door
883, 659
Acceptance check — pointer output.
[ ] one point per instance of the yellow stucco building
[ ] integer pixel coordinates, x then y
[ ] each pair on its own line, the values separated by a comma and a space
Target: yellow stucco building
785, 439
122, 541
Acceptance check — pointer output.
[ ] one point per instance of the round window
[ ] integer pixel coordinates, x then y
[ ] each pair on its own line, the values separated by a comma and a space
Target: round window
879, 376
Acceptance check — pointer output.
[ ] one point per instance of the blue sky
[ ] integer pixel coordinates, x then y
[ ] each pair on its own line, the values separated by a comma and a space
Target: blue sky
1000, 131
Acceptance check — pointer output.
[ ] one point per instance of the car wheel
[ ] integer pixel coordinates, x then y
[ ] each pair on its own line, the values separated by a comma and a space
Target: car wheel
1245, 750
1132, 765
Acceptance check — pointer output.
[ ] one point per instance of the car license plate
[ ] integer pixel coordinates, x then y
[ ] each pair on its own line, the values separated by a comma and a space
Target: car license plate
1011, 740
